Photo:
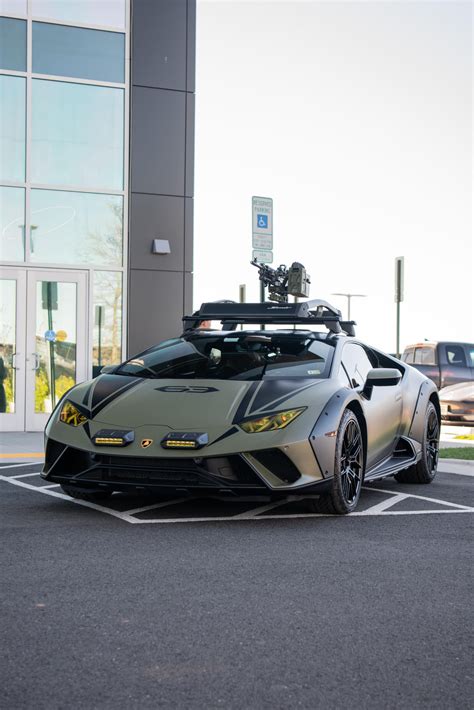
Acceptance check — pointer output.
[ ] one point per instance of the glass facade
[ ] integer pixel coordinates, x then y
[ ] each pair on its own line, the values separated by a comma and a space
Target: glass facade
81, 227
12, 223
77, 52
12, 44
109, 13
12, 128
77, 135
63, 190
107, 318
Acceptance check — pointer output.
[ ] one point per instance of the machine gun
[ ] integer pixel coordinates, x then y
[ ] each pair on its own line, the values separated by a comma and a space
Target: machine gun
283, 281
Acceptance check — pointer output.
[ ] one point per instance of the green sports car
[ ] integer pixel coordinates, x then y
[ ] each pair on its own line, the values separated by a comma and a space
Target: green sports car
274, 409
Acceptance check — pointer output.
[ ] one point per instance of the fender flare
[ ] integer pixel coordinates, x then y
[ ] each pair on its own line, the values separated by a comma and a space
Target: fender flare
324, 433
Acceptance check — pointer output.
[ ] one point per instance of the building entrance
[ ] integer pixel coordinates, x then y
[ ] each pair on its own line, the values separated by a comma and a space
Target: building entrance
43, 342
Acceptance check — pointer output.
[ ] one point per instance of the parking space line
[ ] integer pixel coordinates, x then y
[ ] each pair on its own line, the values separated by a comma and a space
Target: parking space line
84, 503
252, 512
163, 504
26, 475
53, 485
430, 500
18, 465
379, 507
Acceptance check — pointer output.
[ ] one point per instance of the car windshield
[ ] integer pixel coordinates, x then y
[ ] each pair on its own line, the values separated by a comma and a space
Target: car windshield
239, 356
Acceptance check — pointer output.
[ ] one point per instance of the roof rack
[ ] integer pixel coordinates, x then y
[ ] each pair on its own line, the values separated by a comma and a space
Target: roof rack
231, 314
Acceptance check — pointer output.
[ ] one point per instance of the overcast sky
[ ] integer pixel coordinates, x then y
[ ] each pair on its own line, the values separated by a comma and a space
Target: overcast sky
356, 118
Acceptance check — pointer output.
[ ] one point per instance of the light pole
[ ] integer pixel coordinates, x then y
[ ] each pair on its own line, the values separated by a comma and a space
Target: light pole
349, 296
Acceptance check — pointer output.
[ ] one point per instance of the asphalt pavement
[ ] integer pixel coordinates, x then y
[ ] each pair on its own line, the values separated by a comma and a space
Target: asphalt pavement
140, 605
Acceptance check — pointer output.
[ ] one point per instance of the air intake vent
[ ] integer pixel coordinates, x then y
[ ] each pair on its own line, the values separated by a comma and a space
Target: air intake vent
279, 464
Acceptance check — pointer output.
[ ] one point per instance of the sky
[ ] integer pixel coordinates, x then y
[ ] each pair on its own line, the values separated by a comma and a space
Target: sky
356, 118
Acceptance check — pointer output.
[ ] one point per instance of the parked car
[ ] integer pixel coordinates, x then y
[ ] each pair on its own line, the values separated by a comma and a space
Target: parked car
445, 363
230, 413
457, 404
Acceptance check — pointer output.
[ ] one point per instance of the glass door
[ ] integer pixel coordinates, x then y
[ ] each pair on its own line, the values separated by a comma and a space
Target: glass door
56, 340
12, 349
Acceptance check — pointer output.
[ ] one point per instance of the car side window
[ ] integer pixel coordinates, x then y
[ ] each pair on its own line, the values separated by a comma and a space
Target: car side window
425, 356
455, 355
409, 356
356, 363
471, 356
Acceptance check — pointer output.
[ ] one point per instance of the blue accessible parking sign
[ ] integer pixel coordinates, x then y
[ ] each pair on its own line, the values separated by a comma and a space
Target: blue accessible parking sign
262, 221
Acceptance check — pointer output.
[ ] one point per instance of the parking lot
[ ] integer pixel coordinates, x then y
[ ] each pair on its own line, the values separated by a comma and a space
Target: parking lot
145, 603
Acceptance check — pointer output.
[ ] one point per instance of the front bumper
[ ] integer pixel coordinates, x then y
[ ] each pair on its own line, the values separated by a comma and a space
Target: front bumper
236, 474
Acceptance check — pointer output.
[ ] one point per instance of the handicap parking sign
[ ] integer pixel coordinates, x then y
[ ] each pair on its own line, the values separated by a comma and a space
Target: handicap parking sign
262, 221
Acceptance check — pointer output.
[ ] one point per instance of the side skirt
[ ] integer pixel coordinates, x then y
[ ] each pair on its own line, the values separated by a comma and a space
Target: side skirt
403, 457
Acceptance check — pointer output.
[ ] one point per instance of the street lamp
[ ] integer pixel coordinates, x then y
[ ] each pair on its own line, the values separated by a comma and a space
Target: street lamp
349, 296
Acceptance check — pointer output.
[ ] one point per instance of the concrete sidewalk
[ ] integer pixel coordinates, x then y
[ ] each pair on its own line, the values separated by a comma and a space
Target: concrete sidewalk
18, 447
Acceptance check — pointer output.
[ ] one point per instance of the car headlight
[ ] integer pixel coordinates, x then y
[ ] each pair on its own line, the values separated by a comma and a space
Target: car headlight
271, 422
70, 414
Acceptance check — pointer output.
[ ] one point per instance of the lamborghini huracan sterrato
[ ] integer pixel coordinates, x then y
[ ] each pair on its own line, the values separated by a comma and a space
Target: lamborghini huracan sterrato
272, 410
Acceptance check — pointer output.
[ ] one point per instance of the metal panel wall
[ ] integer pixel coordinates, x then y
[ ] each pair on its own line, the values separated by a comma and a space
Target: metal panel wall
161, 168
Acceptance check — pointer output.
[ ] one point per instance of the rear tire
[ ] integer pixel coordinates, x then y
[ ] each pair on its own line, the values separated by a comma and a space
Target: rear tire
425, 470
348, 469
90, 496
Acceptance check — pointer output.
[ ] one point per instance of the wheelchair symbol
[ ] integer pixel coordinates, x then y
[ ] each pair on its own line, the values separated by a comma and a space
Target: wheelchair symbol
262, 221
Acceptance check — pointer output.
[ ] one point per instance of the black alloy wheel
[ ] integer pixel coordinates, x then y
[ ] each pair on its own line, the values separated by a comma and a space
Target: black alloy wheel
351, 462
432, 441
425, 469
348, 469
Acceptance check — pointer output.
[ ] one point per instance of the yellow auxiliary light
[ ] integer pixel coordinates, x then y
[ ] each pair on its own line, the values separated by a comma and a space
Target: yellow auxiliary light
172, 444
271, 422
69, 414
108, 440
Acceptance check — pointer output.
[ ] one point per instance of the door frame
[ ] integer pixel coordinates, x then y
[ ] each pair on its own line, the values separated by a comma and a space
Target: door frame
24, 418
16, 420
37, 421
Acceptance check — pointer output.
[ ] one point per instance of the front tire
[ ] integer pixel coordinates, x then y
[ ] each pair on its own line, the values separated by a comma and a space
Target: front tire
348, 469
425, 470
89, 495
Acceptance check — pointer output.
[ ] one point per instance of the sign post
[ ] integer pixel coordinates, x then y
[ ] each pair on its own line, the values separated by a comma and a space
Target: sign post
262, 233
399, 283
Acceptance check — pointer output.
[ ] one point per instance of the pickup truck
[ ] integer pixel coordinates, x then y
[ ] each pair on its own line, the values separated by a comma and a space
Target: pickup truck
445, 363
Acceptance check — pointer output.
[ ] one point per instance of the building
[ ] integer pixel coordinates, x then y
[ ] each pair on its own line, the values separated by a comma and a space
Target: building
96, 163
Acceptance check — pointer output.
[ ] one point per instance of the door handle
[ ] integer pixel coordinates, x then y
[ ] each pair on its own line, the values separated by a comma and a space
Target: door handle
398, 397
37, 361
14, 365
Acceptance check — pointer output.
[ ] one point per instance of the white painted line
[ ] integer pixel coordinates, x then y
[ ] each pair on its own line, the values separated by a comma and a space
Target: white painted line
163, 504
86, 504
261, 509
54, 485
17, 465
430, 500
26, 475
159, 521
379, 507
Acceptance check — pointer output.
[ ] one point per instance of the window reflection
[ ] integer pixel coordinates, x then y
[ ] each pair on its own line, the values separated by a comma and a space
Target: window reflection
12, 128
12, 224
76, 227
13, 7
7, 345
12, 44
77, 135
74, 51
109, 13
107, 314
55, 347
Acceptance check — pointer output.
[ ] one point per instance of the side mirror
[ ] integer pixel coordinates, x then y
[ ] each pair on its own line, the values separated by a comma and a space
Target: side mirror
381, 377
107, 369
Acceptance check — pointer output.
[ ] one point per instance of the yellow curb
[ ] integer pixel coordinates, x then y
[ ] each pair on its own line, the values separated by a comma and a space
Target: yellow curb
22, 456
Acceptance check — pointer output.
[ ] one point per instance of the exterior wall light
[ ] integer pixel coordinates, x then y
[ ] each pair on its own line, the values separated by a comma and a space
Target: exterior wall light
160, 246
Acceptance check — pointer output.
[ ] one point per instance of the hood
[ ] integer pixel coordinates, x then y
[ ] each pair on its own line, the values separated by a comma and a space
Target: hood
461, 392
120, 401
